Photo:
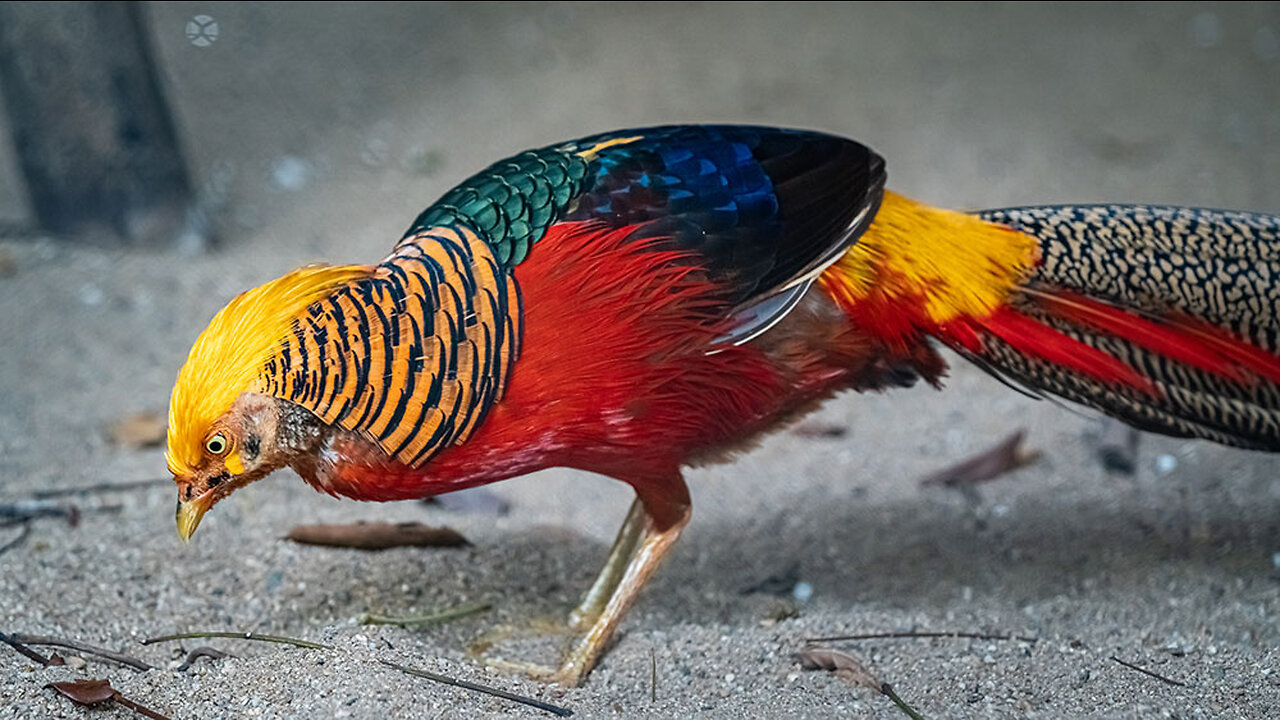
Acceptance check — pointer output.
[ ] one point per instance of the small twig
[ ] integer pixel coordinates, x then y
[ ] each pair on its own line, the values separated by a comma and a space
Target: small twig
653, 676
531, 702
140, 709
202, 651
1145, 671
899, 635
98, 488
24, 510
555, 709
23, 649
887, 690
413, 621
240, 636
16, 541
81, 647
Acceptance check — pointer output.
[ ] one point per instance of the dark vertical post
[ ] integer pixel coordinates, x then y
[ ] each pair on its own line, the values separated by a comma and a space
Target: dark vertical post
91, 128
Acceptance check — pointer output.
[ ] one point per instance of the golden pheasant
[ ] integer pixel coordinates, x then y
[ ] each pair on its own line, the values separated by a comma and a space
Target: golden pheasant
639, 301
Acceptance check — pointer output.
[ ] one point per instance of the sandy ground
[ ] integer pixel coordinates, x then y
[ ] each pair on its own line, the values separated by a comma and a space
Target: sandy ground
318, 132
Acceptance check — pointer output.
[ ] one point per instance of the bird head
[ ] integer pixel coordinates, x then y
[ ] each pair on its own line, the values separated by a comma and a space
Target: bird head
223, 432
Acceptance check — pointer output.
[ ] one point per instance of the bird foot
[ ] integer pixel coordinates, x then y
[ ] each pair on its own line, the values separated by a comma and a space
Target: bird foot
540, 637
532, 640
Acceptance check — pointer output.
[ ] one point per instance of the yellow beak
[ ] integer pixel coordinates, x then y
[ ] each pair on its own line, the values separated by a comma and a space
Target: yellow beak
190, 512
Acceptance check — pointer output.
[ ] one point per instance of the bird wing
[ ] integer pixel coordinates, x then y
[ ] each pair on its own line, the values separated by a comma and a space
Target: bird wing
763, 210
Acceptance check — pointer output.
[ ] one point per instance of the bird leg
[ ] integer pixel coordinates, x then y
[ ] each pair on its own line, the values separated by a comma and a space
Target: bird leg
653, 524
665, 512
624, 548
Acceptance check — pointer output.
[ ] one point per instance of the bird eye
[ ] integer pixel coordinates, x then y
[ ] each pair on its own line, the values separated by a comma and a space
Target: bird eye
216, 445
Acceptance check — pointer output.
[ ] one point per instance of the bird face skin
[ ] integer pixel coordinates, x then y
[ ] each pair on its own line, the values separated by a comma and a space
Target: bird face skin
246, 443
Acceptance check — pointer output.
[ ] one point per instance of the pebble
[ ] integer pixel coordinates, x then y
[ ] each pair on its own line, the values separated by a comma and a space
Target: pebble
802, 592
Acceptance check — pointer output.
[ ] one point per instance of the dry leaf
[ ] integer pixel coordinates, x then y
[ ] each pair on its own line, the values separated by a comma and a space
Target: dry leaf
1008, 455
844, 665
85, 692
377, 536
96, 692
138, 430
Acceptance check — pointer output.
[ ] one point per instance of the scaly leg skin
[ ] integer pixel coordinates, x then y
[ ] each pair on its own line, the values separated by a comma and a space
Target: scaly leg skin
587, 612
624, 548
652, 526
585, 615
664, 517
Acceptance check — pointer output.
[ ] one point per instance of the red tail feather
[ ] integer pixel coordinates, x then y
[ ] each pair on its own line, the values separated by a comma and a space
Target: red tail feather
1173, 340
1037, 340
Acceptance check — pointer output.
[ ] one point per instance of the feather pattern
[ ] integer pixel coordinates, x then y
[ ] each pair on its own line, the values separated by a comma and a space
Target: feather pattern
1164, 317
411, 356
1187, 298
229, 355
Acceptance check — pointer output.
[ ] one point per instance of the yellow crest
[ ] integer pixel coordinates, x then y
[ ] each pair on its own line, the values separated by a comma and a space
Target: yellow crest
229, 355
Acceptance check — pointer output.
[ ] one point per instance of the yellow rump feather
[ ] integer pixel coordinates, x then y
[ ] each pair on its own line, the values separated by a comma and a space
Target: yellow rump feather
956, 264
228, 357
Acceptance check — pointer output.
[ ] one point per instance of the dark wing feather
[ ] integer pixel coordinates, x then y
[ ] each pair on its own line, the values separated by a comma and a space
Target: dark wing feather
763, 208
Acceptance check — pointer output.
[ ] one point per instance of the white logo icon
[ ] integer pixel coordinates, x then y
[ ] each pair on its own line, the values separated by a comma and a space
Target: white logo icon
202, 30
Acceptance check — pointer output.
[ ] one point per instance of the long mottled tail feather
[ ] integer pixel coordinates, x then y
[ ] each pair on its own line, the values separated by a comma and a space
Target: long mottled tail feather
1164, 317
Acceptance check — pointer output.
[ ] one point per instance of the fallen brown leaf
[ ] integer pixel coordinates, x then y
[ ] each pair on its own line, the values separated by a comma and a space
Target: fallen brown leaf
843, 665
96, 692
85, 692
138, 430
1004, 457
377, 535
848, 667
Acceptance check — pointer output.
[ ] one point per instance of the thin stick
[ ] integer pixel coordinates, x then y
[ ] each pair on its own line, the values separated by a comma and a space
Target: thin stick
887, 690
653, 676
408, 621
898, 635
239, 636
97, 488
26, 530
555, 709
1145, 671
202, 651
531, 702
140, 709
31, 654
81, 647
31, 509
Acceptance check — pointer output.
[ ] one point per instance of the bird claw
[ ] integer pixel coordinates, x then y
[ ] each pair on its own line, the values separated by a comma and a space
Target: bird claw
568, 674
485, 648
